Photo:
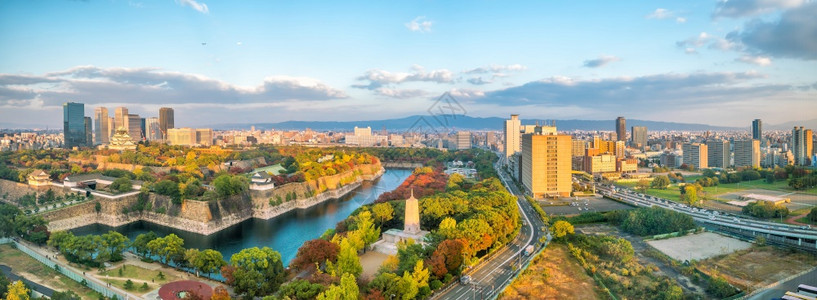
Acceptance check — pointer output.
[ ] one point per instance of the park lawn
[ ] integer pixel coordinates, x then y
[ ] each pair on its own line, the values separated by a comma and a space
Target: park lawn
139, 273
276, 169
554, 274
671, 193
137, 286
24, 265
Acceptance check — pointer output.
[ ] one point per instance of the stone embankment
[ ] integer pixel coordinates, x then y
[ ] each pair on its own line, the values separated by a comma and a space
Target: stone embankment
209, 217
402, 165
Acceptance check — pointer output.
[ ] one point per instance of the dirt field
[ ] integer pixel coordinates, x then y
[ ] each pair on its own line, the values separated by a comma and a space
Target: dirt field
698, 246
555, 274
371, 261
759, 266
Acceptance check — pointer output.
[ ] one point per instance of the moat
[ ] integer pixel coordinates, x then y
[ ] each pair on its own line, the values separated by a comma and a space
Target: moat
284, 233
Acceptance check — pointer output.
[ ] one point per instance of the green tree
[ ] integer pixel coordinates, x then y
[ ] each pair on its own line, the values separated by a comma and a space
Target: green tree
258, 271
365, 225
128, 285
347, 290
560, 229
168, 248
115, 243
348, 261
140, 243
121, 185
170, 189
660, 182
690, 195
208, 261
227, 185
448, 228
383, 212
300, 289
643, 185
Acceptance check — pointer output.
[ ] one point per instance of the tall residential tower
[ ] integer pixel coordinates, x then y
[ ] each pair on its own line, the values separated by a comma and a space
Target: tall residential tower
621, 129
512, 135
165, 120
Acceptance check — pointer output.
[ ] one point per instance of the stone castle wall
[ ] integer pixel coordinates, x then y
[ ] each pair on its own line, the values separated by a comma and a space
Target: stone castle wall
207, 217
16, 190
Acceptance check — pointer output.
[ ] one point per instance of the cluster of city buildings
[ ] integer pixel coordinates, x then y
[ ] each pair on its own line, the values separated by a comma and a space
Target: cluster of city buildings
123, 130
543, 160
30, 141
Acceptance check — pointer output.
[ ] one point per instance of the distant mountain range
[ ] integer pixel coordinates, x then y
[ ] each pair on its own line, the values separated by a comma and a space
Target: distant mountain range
810, 124
466, 122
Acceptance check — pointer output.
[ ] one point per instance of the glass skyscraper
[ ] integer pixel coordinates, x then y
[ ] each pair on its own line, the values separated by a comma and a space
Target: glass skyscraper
73, 120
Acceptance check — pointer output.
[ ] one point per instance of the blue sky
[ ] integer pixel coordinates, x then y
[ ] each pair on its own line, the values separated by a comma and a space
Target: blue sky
270, 61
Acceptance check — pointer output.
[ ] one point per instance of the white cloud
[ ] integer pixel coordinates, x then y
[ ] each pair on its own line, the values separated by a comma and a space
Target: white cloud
791, 36
690, 50
746, 8
479, 81
378, 78
755, 60
680, 20
90, 84
496, 69
419, 24
660, 13
704, 39
400, 93
600, 62
200, 7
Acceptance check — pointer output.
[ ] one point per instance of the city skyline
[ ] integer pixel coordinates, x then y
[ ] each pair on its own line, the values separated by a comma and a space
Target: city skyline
680, 62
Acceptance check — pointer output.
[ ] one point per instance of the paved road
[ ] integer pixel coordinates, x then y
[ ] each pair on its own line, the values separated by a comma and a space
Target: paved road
809, 278
492, 275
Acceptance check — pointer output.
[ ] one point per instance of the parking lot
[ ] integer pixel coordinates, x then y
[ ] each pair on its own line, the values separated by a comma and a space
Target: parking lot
573, 206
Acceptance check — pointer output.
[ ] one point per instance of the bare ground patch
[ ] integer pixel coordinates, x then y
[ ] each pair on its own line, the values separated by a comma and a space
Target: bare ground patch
758, 266
555, 274
698, 246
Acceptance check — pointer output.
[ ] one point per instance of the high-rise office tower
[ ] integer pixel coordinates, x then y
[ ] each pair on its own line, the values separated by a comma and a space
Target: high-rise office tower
101, 130
463, 140
809, 144
134, 123
757, 129
621, 129
89, 131
165, 120
120, 118
153, 130
512, 135
638, 137
111, 128
718, 154
798, 145
546, 165
747, 153
142, 126
73, 124
696, 154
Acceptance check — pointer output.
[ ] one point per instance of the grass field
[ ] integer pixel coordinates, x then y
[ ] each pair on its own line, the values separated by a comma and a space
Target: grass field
673, 192
276, 169
25, 266
138, 273
554, 274
758, 266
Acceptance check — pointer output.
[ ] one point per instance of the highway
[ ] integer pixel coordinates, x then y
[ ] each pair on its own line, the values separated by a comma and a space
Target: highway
802, 237
491, 276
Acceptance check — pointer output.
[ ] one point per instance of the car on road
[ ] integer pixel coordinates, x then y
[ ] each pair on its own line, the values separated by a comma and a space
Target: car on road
465, 279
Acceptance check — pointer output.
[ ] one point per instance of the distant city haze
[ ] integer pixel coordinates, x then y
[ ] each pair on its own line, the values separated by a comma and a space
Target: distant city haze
222, 62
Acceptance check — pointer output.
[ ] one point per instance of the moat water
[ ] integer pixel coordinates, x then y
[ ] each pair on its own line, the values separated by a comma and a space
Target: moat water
284, 233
